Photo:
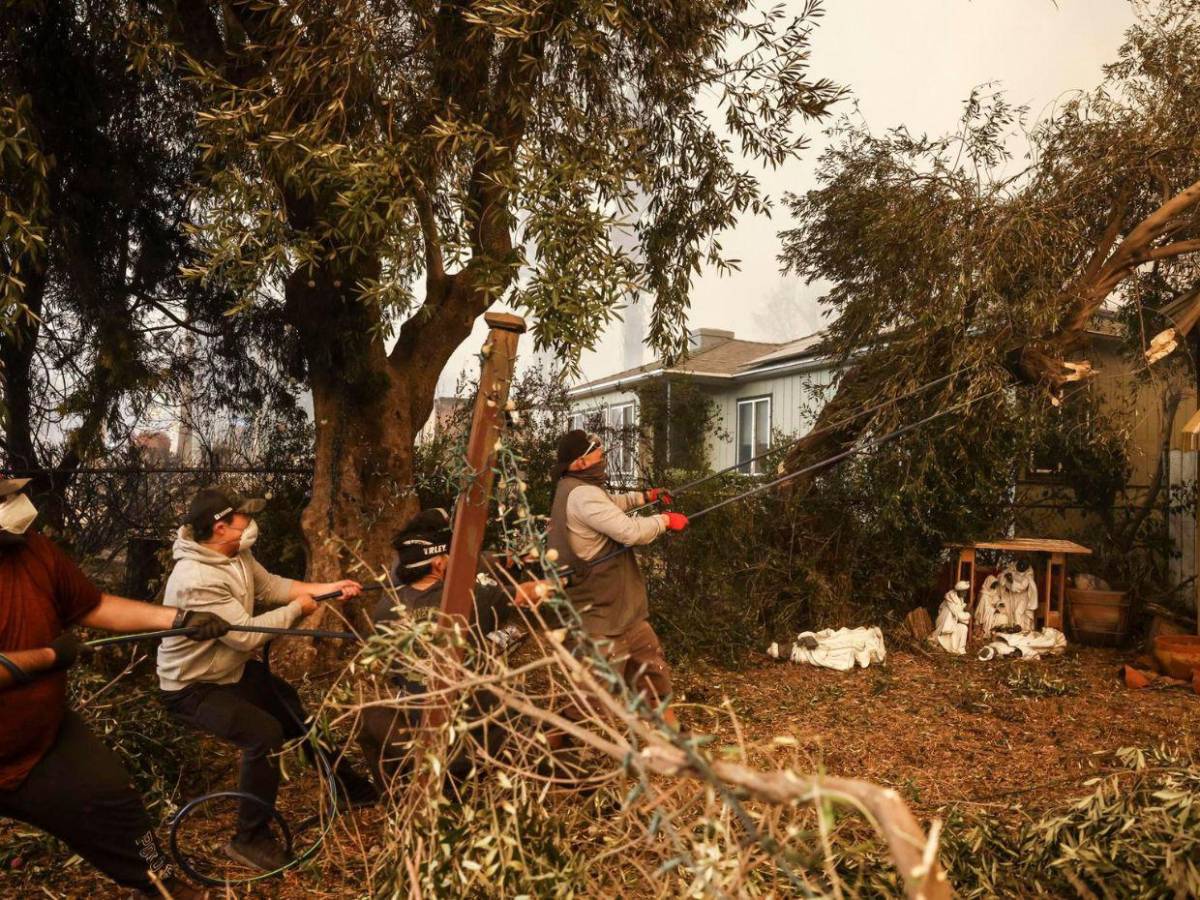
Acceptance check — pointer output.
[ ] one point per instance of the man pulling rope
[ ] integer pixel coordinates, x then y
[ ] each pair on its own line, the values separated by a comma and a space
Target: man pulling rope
55, 774
218, 686
588, 526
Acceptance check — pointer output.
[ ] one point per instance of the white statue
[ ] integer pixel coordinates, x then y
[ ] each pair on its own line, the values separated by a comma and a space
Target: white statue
953, 621
1019, 592
841, 650
991, 612
1030, 645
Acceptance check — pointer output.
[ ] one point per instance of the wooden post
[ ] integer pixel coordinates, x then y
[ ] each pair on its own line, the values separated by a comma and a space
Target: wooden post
1056, 591
965, 571
470, 517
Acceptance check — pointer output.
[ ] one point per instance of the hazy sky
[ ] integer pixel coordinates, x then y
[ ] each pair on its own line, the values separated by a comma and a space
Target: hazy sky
908, 62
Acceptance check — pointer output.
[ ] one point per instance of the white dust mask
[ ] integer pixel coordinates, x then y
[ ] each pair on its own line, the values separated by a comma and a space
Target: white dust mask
17, 514
249, 536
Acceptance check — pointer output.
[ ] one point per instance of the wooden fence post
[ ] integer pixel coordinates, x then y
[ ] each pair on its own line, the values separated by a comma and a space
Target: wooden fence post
470, 517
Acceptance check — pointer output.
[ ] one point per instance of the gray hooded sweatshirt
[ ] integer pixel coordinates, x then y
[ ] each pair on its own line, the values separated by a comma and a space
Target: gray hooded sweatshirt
212, 582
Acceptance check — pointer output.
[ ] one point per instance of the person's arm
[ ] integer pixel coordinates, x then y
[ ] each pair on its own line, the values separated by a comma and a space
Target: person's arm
115, 613
636, 499
219, 602
531, 593
628, 501
20, 667
592, 507
122, 614
29, 662
277, 589
348, 586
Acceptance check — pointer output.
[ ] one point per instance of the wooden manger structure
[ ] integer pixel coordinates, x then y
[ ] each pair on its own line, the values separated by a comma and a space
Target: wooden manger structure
1050, 574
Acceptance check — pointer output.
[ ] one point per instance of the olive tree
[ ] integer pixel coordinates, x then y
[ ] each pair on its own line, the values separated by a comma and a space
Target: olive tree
378, 174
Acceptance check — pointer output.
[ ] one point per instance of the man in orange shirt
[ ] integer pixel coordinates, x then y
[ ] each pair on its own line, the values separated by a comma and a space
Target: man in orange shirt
55, 774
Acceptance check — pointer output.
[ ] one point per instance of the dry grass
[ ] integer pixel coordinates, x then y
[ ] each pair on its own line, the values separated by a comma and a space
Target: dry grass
943, 730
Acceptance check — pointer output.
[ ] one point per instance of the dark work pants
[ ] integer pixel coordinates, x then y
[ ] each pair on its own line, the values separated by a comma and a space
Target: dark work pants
80, 793
385, 734
259, 713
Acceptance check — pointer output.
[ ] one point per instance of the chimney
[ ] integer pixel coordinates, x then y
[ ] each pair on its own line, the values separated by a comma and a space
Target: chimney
702, 339
634, 336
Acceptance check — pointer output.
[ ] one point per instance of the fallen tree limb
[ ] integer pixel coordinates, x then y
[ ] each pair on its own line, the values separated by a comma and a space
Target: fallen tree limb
914, 854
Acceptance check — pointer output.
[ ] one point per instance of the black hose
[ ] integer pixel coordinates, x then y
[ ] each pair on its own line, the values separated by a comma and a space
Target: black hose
250, 629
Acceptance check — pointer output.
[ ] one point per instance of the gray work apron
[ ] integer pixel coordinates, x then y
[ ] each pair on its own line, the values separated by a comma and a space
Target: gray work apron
609, 596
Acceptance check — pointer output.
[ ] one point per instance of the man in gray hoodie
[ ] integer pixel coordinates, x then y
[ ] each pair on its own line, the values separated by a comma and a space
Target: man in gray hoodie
219, 686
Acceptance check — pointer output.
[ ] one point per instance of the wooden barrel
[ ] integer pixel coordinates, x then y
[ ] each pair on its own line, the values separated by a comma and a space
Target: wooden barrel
1099, 618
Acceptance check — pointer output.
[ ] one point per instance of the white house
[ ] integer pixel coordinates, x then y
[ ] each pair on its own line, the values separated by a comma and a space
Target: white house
762, 392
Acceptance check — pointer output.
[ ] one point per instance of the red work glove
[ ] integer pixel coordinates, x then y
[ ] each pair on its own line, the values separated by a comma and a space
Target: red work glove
659, 495
676, 521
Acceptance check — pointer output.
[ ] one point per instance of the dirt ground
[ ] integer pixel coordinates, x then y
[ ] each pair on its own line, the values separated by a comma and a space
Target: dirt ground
945, 730
1016, 736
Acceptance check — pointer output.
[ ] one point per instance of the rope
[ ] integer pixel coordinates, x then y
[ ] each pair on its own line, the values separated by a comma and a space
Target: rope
249, 629
838, 457
820, 464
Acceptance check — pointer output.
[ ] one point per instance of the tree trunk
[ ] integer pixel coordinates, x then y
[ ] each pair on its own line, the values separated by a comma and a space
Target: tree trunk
362, 488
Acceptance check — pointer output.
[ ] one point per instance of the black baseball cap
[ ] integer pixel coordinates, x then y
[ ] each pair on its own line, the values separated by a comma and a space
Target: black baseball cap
426, 536
212, 504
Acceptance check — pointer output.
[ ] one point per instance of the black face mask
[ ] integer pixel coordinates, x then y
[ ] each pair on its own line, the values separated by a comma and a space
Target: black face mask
596, 474
8, 539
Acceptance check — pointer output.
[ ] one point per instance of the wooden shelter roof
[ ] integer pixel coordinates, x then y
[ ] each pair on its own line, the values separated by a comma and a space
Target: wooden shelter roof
1029, 545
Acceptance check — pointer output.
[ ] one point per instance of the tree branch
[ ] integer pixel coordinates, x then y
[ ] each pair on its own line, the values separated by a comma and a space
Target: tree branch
915, 856
182, 323
435, 265
1115, 218
1091, 289
1157, 222
1169, 250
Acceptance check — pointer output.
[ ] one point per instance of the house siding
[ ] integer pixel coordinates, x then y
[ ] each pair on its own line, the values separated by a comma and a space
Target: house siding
600, 402
796, 398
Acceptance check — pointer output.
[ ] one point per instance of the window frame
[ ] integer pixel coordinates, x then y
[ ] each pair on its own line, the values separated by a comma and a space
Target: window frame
754, 468
615, 430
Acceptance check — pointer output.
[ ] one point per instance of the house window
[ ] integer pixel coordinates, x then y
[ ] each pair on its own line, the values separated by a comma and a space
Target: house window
622, 442
753, 432
575, 422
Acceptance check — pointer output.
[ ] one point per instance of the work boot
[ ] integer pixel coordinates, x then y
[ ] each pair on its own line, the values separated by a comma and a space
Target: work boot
261, 852
357, 789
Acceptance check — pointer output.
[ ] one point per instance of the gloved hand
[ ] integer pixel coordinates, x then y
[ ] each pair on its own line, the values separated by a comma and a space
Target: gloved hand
67, 648
203, 626
659, 495
676, 521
